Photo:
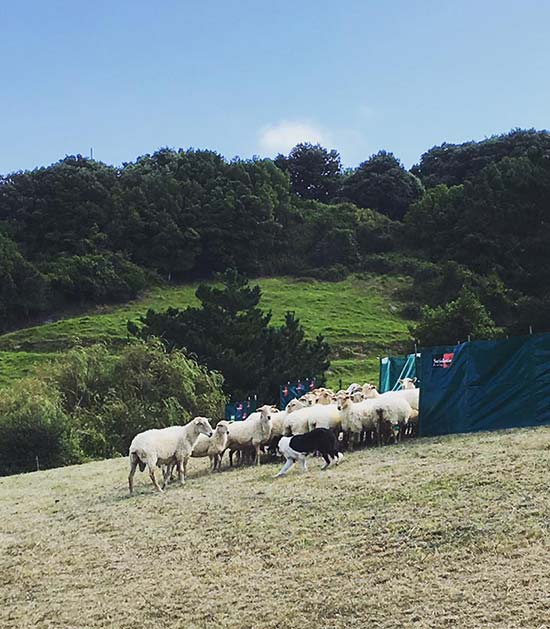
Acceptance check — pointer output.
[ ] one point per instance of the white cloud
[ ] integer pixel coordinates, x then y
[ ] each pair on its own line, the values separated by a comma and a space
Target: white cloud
284, 135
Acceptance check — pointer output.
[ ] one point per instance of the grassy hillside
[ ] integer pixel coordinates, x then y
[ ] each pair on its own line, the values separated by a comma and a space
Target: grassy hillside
360, 316
437, 532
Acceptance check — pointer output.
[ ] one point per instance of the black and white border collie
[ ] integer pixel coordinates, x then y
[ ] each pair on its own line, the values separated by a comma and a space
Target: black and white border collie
296, 448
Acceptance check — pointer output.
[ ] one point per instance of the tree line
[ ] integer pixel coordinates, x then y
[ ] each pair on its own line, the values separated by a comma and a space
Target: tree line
470, 223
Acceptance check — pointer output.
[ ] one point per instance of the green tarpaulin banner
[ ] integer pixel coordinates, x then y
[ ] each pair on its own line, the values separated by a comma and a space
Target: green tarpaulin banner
394, 368
485, 385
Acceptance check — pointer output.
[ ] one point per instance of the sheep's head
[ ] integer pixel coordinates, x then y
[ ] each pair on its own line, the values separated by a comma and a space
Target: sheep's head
369, 391
294, 405
203, 425
407, 383
265, 412
309, 399
357, 396
222, 428
324, 397
343, 401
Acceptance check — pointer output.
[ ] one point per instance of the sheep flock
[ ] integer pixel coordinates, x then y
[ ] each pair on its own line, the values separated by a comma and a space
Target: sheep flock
359, 416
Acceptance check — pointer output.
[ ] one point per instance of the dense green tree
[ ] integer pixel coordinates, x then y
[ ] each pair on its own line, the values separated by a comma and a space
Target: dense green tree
382, 183
95, 278
314, 171
455, 322
441, 283
531, 314
23, 290
191, 213
498, 222
231, 334
452, 164
63, 209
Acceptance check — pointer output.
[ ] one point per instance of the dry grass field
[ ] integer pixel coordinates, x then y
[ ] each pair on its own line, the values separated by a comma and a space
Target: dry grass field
448, 532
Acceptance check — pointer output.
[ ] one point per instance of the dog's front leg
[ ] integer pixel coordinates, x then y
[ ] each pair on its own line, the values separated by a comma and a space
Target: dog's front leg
289, 463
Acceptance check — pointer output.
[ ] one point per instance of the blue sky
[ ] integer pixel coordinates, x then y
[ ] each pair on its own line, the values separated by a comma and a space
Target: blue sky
254, 78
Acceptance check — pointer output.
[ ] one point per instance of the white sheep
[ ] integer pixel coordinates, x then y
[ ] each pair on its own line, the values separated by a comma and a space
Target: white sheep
378, 415
317, 416
166, 446
309, 398
411, 429
358, 417
295, 423
213, 446
295, 404
325, 397
253, 432
411, 395
394, 414
325, 416
277, 422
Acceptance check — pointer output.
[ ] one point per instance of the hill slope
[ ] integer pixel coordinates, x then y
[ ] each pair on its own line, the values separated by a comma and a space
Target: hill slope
360, 316
436, 532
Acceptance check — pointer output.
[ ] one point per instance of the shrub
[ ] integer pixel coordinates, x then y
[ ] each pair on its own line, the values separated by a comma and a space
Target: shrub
393, 262
334, 273
111, 398
34, 427
95, 278
455, 321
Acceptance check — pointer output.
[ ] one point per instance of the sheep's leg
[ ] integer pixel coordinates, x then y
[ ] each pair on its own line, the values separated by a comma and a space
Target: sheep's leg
219, 461
401, 431
216, 460
133, 465
152, 468
257, 448
178, 470
345, 439
167, 474
289, 463
183, 467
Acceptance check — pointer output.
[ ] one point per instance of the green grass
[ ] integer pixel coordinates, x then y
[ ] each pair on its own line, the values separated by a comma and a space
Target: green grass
348, 370
444, 532
360, 317
15, 365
